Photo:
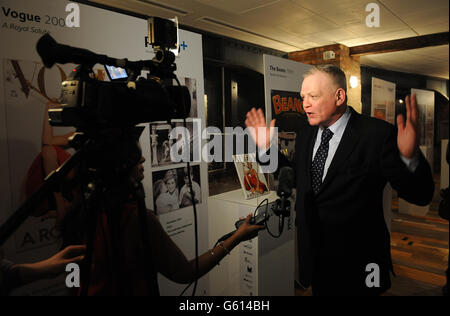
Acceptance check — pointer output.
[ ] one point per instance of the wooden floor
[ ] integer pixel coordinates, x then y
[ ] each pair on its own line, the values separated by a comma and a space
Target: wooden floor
419, 247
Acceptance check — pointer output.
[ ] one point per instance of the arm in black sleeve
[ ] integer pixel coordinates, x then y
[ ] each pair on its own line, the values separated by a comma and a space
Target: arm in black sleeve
415, 187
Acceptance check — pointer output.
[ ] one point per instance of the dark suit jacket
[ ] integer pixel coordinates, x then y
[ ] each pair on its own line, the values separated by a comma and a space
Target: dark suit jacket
342, 229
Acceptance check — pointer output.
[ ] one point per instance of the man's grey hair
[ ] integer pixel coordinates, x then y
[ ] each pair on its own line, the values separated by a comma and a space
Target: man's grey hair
333, 71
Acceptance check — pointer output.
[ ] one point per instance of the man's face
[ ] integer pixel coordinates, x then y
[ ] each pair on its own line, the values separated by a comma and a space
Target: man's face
171, 185
319, 99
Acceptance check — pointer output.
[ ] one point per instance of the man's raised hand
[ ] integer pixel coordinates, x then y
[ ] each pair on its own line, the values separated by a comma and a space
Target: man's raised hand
260, 133
408, 132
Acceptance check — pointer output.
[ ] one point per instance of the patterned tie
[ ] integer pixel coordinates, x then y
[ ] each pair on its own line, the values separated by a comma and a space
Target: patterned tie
318, 163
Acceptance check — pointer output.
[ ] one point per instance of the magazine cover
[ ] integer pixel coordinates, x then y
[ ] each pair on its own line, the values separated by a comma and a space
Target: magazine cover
253, 181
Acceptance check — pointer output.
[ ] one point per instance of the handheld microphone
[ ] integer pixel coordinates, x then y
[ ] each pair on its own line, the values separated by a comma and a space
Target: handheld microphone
262, 215
286, 181
280, 207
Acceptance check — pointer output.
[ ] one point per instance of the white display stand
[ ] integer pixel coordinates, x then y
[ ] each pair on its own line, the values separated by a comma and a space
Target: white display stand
263, 266
444, 164
411, 209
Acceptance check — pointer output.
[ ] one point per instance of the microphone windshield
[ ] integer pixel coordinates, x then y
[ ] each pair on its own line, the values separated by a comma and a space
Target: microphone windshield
51, 52
46, 48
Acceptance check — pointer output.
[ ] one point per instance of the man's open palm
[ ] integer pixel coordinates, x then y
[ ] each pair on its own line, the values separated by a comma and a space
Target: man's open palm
260, 133
408, 132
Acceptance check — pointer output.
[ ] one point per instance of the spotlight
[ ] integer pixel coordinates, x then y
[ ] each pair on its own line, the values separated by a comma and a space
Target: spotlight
353, 81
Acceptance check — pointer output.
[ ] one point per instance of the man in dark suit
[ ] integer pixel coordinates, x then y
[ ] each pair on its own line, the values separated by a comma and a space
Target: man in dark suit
343, 162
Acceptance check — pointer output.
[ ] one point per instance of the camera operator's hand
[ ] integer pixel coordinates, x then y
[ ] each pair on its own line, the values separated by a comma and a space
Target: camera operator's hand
51, 267
247, 231
185, 272
56, 264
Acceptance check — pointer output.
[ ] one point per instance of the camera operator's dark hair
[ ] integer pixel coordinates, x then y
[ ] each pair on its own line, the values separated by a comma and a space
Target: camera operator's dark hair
120, 153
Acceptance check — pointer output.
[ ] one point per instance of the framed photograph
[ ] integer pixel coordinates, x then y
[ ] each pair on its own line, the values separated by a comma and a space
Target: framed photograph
161, 143
183, 184
253, 181
193, 131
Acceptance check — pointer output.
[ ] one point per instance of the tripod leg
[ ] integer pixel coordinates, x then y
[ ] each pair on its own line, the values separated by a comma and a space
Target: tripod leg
91, 232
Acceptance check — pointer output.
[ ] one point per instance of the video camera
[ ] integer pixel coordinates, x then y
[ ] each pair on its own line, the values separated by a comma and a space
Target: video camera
128, 99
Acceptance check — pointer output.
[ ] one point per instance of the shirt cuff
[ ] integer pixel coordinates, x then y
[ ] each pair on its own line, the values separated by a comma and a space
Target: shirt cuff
411, 163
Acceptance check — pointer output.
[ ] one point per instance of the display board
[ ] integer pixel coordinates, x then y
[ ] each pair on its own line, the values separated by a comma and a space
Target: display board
383, 100
25, 90
425, 103
383, 108
282, 82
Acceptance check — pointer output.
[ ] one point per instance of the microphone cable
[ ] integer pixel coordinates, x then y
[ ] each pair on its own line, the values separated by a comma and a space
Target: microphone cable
192, 199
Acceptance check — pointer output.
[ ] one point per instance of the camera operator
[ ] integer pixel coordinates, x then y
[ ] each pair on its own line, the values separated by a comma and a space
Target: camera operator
15, 275
121, 265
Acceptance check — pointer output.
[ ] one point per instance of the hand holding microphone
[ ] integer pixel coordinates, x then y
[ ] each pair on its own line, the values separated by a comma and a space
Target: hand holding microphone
248, 230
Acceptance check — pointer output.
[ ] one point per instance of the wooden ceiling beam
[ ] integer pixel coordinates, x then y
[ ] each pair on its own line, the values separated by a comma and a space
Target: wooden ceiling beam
400, 44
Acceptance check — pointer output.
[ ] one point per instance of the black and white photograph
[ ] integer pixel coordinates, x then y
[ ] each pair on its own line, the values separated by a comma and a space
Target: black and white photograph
161, 143
183, 183
194, 131
171, 189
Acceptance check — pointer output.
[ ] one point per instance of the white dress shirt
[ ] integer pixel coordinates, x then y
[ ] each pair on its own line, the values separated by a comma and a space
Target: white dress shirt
338, 129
